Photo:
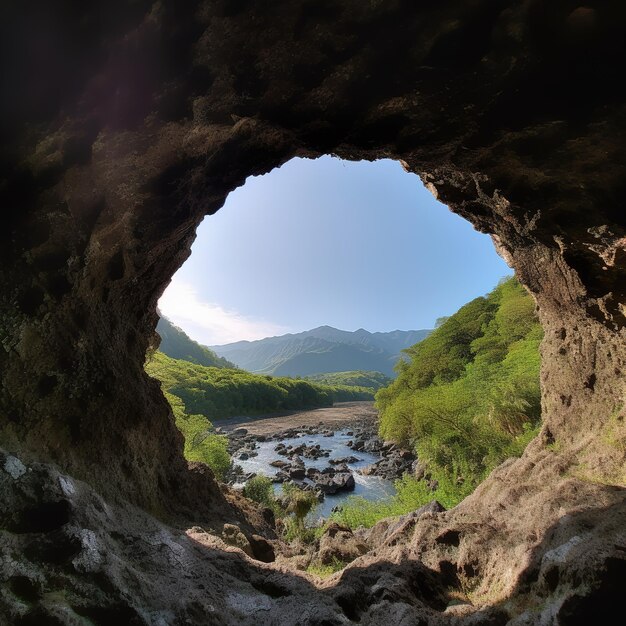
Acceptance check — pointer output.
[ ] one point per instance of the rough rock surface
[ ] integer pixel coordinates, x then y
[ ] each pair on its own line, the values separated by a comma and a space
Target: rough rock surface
394, 530
233, 536
339, 543
68, 556
123, 124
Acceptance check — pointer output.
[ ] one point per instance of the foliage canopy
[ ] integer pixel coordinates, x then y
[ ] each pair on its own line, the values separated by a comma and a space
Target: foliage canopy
469, 396
221, 392
359, 378
467, 399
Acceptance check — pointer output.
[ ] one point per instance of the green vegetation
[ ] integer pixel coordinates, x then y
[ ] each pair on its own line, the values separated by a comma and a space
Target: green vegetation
371, 380
260, 489
411, 494
201, 442
218, 392
324, 571
178, 345
198, 395
292, 507
298, 504
468, 399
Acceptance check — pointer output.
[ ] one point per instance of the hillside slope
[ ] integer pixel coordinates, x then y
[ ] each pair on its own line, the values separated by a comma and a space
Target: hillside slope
221, 392
321, 350
178, 345
360, 378
469, 397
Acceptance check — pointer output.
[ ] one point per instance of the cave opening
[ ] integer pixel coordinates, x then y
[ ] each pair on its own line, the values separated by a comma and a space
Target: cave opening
311, 257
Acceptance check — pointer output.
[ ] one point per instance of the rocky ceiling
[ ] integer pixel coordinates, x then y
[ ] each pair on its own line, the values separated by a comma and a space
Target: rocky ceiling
124, 123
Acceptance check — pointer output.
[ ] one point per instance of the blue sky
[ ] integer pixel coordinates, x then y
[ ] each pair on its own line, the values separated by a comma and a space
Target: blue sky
348, 244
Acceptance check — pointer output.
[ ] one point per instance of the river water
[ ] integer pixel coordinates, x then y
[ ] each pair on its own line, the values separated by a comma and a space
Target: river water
369, 487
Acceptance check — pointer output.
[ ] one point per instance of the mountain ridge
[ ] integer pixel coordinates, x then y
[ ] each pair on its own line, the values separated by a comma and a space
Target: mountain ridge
321, 350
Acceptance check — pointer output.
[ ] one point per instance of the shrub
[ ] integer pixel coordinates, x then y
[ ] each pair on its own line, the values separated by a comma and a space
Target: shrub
298, 503
261, 490
201, 442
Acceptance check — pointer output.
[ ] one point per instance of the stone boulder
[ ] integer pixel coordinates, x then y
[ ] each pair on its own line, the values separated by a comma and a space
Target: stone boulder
338, 543
394, 464
280, 477
278, 463
333, 483
262, 549
233, 536
297, 472
344, 460
372, 445
392, 530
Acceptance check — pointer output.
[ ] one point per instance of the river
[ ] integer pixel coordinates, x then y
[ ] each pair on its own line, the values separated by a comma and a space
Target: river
369, 487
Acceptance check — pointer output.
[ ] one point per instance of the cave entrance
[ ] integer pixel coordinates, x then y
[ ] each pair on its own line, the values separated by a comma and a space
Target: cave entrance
321, 262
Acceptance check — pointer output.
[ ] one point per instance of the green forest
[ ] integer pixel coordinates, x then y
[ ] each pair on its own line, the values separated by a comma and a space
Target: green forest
202, 387
371, 380
466, 399
222, 392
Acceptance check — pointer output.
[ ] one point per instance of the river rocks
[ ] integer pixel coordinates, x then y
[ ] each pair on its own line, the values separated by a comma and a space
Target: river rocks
315, 452
280, 477
338, 543
242, 446
334, 483
344, 460
392, 466
278, 463
309, 451
297, 472
337, 476
373, 445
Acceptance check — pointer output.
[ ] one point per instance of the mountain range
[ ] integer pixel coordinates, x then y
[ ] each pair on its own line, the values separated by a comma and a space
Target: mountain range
323, 349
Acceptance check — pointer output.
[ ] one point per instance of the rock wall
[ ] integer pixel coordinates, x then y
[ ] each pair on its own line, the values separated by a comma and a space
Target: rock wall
125, 123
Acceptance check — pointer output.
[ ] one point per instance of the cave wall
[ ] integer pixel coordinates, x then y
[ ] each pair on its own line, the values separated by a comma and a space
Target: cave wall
126, 123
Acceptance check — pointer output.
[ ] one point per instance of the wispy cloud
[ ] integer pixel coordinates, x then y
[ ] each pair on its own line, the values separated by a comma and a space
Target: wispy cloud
209, 323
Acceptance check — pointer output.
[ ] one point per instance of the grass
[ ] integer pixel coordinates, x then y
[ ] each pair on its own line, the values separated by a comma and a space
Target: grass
411, 495
614, 430
324, 571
